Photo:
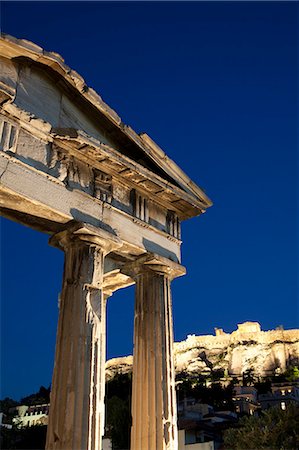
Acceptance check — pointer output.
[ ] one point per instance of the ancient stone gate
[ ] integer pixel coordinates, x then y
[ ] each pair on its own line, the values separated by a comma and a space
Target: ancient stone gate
113, 202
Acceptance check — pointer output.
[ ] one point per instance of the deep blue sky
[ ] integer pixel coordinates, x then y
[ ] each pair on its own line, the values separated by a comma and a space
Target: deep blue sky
214, 84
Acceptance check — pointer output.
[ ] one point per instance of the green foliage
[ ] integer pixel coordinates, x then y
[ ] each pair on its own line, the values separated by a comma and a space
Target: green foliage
39, 398
118, 422
185, 384
7, 403
24, 438
120, 386
217, 396
263, 387
274, 429
217, 374
248, 377
118, 406
292, 373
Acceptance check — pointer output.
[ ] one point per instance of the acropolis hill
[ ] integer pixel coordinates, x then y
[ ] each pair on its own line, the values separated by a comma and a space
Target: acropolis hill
246, 348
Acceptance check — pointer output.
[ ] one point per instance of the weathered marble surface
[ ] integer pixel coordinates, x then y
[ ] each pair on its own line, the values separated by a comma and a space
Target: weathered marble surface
77, 414
154, 411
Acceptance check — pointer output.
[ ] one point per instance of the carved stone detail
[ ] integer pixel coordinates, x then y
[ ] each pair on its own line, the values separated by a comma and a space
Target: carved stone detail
59, 162
73, 172
8, 136
103, 188
140, 207
173, 225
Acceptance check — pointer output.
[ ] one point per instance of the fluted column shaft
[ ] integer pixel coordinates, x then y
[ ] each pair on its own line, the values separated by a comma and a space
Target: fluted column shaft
154, 412
76, 418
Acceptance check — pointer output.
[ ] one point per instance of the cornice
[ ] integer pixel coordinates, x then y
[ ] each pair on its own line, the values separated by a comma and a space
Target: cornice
14, 49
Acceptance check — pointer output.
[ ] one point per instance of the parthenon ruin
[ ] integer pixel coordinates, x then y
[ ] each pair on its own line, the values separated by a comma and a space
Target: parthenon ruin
112, 201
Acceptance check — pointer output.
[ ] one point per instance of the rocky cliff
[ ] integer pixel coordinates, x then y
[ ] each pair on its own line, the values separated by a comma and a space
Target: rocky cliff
266, 352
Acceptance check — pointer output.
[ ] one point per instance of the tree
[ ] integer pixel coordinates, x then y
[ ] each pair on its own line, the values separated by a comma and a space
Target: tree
217, 374
120, 386
39, 398
6, 404
263, 387
274, 429
184, 385
33, 437
118, 416
118, 422
248, 377
292, 373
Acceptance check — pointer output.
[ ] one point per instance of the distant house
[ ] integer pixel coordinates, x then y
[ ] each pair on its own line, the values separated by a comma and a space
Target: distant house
27, 416
200, 427
189, 408
282, 394
187, 441
245, 400
2, 421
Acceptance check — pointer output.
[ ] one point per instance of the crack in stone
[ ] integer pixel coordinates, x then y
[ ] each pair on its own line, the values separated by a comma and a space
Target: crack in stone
4, 170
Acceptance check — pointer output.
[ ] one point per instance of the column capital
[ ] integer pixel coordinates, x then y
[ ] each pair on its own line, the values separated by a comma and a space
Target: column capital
73, 232
151, 262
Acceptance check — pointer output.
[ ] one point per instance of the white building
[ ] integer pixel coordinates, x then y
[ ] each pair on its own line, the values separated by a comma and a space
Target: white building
27, 416
186, 444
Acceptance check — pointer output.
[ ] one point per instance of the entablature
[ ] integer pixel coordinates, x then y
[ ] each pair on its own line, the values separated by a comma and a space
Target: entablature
136, 158
43, 202
106, 160
58, 134
62, 162
129, 172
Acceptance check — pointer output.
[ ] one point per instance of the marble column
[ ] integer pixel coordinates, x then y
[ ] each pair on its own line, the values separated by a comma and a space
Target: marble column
76, 418
154, 412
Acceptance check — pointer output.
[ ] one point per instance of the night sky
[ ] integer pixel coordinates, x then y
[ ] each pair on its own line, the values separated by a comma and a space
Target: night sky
214, 84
